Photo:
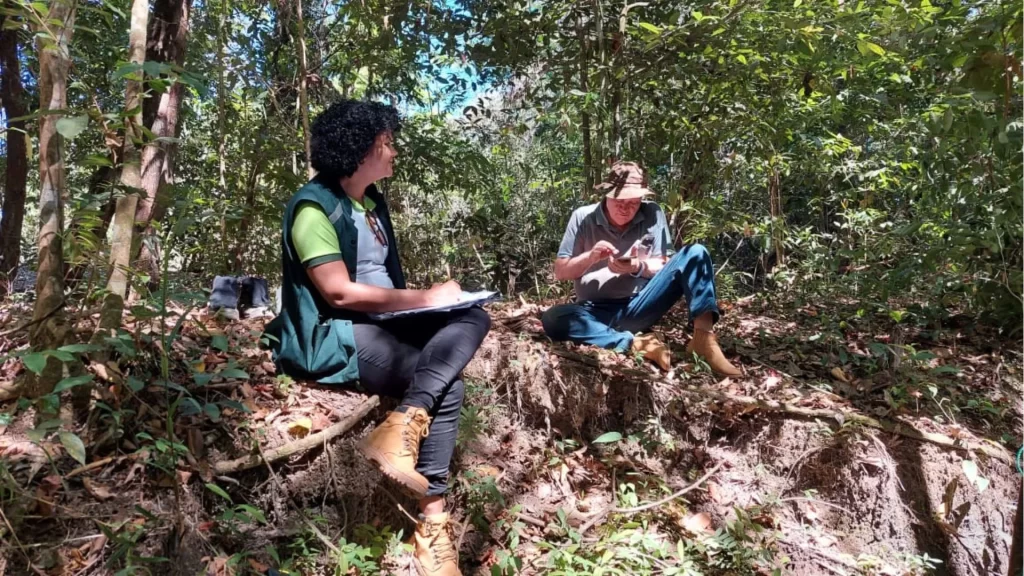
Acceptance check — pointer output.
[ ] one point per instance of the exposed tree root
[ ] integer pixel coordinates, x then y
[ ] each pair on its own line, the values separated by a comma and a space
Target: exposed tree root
899, 428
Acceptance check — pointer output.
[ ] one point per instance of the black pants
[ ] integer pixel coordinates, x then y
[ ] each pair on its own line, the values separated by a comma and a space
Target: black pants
419, 359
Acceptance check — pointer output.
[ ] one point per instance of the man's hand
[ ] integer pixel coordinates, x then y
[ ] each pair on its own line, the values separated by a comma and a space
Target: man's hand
631, 266
601, 250
443, 294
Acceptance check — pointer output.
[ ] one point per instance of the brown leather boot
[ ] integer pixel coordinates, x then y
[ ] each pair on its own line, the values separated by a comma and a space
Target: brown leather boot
705, 345
395, 446
653, 350
435, 553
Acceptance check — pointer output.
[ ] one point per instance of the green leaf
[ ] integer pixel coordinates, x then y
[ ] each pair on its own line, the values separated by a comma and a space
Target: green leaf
97, 160
944, 370
797, 3
71, 382
213, 411
61, 355
134, 384
74, 446
218, 491
73, 126
742, 59
650, 27
220, 342
233, 373
80, 348
253, 512
608, 437
866, 48
49, 404
35, 362
6, 418
698, 16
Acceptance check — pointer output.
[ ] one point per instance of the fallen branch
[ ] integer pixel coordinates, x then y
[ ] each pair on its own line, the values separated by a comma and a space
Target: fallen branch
300, 445
897, 428
600, 515
92, 466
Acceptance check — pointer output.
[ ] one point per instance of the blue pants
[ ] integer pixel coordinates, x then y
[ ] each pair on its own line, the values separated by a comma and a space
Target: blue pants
611, 323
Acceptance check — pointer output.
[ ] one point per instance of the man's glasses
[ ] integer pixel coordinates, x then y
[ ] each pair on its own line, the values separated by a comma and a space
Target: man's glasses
375, 227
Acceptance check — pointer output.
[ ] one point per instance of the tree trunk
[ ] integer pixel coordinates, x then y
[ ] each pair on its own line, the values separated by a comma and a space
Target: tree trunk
131, 181
601, 155
12, 94
51, 328
238, 260
222, 139
588, 153
168, 35
303, 95
222, 41
775, 205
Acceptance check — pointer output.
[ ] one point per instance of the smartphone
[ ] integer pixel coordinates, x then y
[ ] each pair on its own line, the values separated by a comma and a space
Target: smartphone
624, 258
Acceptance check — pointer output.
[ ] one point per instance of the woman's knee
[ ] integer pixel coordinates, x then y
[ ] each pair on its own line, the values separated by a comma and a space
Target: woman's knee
480, 318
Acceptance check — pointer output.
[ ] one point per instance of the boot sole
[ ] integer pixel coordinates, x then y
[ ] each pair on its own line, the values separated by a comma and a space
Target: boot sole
410, 484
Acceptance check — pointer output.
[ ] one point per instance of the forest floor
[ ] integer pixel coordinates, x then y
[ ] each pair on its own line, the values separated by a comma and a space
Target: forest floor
856, 442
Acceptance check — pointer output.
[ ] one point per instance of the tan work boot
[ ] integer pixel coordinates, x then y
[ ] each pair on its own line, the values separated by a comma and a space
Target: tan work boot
435, 553
653, 350
705, 345
395, 446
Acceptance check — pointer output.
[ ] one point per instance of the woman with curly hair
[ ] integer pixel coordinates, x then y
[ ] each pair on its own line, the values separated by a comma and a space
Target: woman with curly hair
340, 264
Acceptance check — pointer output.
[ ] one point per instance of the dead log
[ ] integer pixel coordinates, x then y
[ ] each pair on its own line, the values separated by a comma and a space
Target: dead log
300, 445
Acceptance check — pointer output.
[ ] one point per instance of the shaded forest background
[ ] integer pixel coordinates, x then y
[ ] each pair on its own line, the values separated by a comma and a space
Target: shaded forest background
863, 150
854, 166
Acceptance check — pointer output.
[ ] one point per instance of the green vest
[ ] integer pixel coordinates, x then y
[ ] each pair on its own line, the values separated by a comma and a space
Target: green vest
310, 339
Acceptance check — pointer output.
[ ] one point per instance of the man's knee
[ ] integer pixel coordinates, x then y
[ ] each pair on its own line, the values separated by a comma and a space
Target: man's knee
696, 252
555, 322
699, 251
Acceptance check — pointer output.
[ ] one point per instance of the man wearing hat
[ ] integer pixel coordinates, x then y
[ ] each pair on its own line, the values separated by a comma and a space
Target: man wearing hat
617, 252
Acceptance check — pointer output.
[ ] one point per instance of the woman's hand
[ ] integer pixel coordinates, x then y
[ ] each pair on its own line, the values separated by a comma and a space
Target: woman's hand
443, 294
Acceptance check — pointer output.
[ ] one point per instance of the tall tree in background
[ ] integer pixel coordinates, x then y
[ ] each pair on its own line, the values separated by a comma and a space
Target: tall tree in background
168, 38
11, 95
300, 23
50, 328
131, 177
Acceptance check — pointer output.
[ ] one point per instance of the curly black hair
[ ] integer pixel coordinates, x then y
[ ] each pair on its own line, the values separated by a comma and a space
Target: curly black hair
343, 135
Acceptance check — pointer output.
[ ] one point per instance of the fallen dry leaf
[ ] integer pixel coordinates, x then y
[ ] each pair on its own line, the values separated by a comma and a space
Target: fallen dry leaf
697, 523
838, 374
300, 427
46, 495
487, 470
718, 495
97, 490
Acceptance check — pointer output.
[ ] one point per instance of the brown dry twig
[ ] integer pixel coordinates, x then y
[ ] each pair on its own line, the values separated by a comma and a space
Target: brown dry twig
600, 515
300, 445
